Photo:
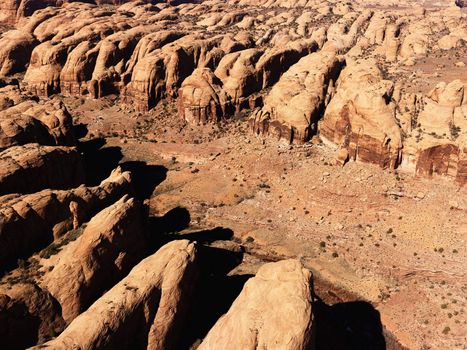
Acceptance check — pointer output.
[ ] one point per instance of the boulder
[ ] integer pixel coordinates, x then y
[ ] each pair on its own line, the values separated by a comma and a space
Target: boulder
273, 311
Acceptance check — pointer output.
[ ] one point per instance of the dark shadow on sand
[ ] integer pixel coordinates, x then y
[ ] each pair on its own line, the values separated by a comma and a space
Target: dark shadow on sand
145, 178
99, 161
352, 325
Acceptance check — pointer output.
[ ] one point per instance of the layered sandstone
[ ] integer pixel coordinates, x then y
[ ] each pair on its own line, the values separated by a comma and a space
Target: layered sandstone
202, 99
438, 145
75, 276
33, 167
147, 308
30, 122
30, 222
361, 116
296, 103
15, 52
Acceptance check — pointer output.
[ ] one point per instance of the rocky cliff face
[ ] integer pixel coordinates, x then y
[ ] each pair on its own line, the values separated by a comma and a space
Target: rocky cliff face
293, 116
361, 118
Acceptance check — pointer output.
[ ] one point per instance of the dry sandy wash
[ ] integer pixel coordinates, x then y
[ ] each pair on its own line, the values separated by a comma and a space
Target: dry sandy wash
239, 174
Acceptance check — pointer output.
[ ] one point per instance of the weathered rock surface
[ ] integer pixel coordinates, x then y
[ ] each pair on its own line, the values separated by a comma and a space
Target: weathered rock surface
202, 99
296, 103
361, 117
439, 142
14, 10
109, 246
30, 222
230, 58
28, 314
30, 122
15, 51
160, 73
32, 167
145, 309
273, 311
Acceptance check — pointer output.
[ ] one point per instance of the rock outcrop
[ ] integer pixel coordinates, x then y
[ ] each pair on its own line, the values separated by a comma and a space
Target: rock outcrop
30, 222
30, 122
32, 167
146, 309
160, 73
438, 142
28, 314
361, 117
273, 311
13, 10
243, 57
296, 103
80, 271
15, 52
202, 99
111, 244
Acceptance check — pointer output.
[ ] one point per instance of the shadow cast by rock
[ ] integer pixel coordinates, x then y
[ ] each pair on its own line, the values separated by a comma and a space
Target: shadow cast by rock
207, 236
80, 130
167, 228
348, 326
99, 161
216, 293
145, 177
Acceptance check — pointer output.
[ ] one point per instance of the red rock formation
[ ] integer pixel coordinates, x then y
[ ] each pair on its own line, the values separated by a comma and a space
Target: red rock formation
111, 244
75, 276
32, 167
146, 309
251, 323
296, 103
30, 122
29, 222
201, 98
161, 73
361, 118
13, 10
27, 315
15, 52
441, 160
